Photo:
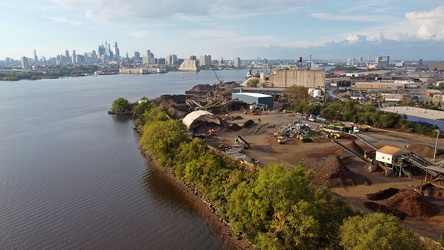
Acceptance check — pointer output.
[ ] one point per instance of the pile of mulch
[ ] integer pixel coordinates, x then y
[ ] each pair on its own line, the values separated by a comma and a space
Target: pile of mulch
412, 204
334, 173
383, 194
202, 88
422, 150
249, 124
355, 147
233, 127
170, 99
376, 207
236, 118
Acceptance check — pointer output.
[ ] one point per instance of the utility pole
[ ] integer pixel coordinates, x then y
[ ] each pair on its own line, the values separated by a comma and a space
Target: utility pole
436, 145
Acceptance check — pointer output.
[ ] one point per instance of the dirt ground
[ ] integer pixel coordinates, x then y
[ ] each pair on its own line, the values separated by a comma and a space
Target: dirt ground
318, 154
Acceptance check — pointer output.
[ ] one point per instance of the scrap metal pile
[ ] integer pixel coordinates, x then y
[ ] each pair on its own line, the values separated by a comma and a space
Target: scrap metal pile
293, 129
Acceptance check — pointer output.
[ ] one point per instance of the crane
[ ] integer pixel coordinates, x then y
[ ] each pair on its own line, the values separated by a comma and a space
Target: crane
221, 81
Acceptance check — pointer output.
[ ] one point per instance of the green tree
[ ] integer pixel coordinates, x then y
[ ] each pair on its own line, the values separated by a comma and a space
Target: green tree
376, 231
252, 82
121, 106
296, 95
161, 139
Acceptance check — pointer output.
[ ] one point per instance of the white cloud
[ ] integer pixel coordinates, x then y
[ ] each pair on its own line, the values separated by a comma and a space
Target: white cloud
143, 33
64, 20
355, 38
429, 24
351, 18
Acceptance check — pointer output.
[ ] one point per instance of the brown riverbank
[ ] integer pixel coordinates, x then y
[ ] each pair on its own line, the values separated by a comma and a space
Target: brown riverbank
203, 208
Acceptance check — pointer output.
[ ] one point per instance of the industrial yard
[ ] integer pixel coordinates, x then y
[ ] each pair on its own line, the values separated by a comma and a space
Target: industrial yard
333, 165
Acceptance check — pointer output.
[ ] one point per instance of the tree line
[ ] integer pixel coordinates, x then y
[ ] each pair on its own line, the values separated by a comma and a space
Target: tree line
275, 207
352, 111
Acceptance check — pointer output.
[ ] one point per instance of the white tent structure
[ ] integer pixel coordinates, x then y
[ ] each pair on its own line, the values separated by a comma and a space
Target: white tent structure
199, 117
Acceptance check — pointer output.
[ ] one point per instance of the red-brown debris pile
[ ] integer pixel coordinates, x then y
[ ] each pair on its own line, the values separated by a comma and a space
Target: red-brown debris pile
384, 209
356, 147
383, 194
422, 150
412, 204
333, 172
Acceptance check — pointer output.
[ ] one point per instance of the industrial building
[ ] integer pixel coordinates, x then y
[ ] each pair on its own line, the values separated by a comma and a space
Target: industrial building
388, 154
307, 78
189, 66
199, 117
255, 98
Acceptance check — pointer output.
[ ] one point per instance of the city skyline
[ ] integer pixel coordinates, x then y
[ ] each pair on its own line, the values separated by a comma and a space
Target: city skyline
279, 29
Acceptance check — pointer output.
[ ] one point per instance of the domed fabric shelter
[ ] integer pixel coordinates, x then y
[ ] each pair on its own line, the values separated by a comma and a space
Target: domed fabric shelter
199, 117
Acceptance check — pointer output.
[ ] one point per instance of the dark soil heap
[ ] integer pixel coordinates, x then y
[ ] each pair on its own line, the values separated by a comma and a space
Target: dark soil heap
202, 88
333, 172
176, 102
383, 194
412, 204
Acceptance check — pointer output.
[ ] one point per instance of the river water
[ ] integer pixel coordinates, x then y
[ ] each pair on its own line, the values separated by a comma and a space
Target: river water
73, 177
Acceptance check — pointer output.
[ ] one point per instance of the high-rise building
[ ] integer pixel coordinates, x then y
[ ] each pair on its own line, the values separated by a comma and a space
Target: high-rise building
237, 62
136, 56
74, 57
35, 57
24, 62
205, 60
174, 59
193, 57
382, 61
150, 56
116, 51
67, 59
169, 59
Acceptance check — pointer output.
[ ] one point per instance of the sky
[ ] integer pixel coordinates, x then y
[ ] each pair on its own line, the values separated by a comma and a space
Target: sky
249, 29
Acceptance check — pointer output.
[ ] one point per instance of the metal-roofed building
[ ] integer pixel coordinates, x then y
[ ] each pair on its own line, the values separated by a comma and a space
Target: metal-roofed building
387, 154
199, 117
256, 98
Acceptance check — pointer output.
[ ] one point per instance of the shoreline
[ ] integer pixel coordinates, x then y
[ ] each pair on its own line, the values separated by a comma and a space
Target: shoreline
202, 208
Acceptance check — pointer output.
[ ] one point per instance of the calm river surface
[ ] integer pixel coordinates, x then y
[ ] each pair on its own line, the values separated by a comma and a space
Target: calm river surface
73, 177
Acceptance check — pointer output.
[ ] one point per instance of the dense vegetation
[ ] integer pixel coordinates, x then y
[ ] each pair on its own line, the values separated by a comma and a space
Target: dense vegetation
48, 73
353, 111
276, 207
376, 231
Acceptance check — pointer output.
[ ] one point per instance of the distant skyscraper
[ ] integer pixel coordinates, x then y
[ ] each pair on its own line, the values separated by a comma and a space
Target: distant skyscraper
169, 60
74, 57
35, 57
174, 58
150, 56
193, 58
68, 59
136, 56
237, 62
116, 51
205, 60
24, 62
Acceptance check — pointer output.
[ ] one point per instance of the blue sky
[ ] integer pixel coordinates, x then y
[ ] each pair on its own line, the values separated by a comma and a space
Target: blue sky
272, 29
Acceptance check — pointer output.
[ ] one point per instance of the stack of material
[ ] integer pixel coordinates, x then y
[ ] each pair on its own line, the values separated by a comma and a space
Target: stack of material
334, 173
356, 147
412, 204
422, 150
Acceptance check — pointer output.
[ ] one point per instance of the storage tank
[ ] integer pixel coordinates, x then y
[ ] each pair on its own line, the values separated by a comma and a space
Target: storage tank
317, 93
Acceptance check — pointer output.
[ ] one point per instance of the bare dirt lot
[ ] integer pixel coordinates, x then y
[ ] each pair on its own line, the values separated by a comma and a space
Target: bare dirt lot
346, 175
